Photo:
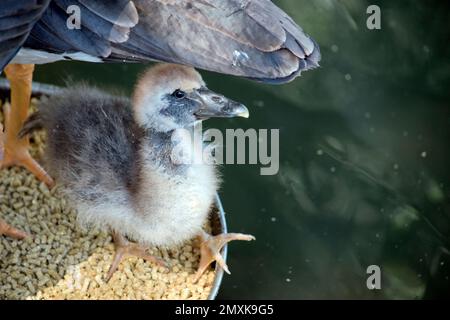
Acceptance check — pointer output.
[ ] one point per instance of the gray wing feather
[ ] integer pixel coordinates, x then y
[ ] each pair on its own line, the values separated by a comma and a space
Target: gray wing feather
102, 24
119, 12
17, 19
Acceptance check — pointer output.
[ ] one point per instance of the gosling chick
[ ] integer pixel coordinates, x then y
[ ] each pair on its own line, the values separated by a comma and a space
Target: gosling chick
113, 158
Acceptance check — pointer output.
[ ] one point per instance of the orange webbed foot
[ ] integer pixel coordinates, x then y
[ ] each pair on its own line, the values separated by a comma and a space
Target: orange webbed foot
7, 230
210, 248
124, 249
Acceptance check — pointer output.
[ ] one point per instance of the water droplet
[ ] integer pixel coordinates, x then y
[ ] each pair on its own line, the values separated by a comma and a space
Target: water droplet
288, 280
239, 57
423, 154
319, 152
333, 169
334, 48
396, 166
367, 115
348, 77
273, 219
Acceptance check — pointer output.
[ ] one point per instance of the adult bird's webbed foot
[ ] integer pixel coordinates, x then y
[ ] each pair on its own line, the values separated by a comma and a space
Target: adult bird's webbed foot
210, 250
15, 148
125, 248
7, 230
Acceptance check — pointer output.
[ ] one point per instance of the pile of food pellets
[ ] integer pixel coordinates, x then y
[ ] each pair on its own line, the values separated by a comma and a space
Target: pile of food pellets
62, 261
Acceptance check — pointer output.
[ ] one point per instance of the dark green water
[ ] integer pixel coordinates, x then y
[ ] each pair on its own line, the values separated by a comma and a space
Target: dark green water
364, 173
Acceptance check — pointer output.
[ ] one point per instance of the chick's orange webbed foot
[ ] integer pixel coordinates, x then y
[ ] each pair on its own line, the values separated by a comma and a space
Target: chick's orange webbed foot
16, 149
210, 250
7, 230
124, 249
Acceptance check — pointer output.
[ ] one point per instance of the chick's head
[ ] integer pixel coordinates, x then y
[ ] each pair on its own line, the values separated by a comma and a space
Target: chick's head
168, 97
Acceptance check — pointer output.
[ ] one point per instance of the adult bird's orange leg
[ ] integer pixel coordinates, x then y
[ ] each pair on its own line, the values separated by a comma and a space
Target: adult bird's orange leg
16, 150
6, 229
210, 250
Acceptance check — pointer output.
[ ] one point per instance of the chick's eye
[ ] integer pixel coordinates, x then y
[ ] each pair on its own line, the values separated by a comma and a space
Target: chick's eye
179, 94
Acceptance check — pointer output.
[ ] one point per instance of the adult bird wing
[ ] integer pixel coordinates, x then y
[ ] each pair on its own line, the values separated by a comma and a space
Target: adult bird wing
250, 38
17, 19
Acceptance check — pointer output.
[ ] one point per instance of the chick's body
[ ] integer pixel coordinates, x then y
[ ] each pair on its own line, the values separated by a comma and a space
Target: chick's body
117, 160
120, 175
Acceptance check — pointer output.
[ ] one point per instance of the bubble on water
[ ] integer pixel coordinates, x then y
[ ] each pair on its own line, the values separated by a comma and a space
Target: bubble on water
348, 77
333, 169
434, 192
335, 143
288, 280
367, 115
396, 166
259, 103
319, 152
273, 219
404, 216
405, 133
423, 154
334, 48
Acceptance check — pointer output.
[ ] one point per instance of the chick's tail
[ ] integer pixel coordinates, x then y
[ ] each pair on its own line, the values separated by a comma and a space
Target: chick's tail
33, 123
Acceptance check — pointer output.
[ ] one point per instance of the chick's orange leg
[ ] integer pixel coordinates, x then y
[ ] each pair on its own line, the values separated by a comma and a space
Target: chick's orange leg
7, 230
124, 249
16, 149
210, 250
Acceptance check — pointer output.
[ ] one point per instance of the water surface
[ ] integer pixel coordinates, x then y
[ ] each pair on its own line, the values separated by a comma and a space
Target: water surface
364, 173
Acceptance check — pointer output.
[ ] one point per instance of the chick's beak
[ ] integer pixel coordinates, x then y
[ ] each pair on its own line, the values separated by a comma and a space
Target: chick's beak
213, 105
